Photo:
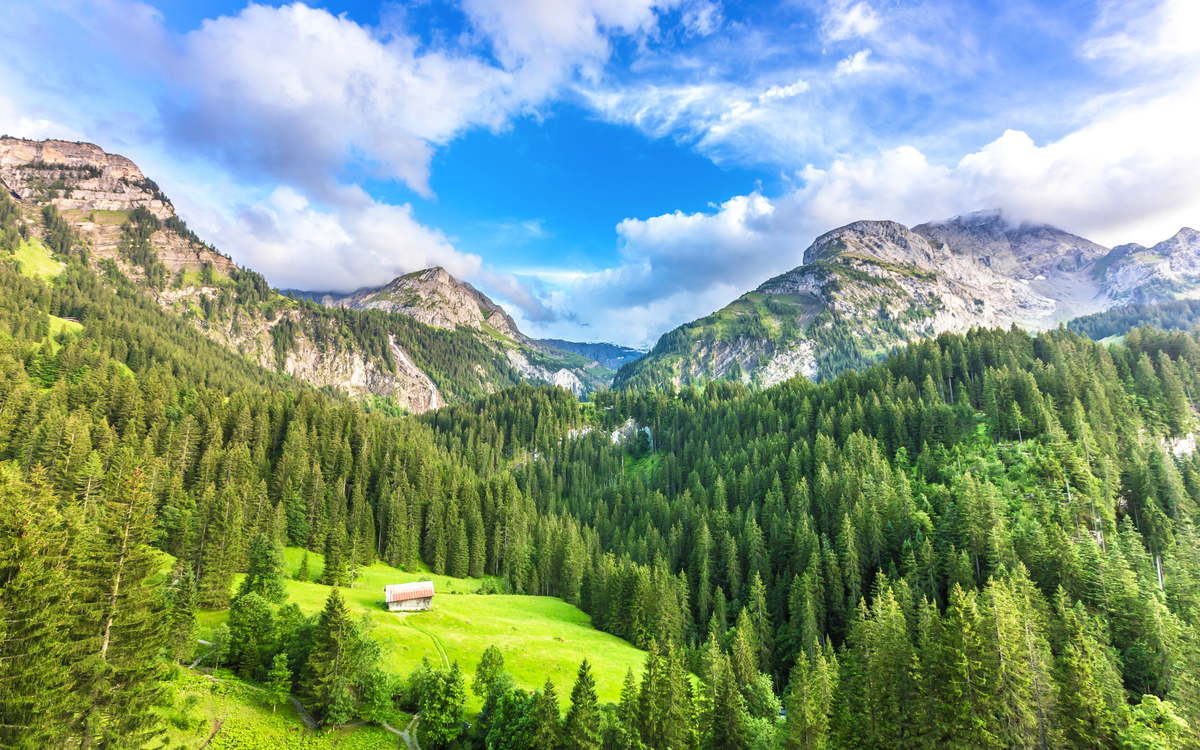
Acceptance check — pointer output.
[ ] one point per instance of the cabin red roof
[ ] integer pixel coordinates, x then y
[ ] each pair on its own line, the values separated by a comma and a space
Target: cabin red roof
399, 592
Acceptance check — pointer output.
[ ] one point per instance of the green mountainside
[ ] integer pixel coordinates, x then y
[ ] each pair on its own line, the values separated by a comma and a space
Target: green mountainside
409, 355
984, 540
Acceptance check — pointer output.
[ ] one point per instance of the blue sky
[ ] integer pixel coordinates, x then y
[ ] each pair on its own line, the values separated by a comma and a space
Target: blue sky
609, 169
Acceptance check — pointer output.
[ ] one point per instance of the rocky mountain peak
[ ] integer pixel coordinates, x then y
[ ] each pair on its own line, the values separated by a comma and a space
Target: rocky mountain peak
869, 237
1020, 249
77, 176
434, 297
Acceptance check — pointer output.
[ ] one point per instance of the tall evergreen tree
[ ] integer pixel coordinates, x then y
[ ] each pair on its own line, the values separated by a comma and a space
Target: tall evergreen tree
581, 729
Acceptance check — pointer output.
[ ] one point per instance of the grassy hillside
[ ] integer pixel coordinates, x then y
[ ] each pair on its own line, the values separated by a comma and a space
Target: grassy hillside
36, 261
539, 636
199, 703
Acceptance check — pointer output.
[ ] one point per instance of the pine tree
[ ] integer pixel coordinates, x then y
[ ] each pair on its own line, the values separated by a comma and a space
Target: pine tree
265, 572
330, 640
36, 696
581, 730
118, 622
545, 732
460, 565
182, 604
302, 573
279, 680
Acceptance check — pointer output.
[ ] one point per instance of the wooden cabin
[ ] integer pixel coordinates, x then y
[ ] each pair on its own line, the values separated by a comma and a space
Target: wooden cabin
409, 597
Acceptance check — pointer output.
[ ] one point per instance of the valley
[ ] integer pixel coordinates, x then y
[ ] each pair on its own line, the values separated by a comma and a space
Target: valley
961, 521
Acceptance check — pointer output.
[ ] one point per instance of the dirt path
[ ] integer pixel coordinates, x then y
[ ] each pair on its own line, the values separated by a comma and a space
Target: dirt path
408, 735
437, 644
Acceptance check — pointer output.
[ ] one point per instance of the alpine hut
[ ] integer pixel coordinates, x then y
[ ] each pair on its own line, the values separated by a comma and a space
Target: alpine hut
409, 597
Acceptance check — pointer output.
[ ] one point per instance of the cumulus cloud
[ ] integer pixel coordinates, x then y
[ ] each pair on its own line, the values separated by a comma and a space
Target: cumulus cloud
298, 244
1127, 176
845, 20
856, 63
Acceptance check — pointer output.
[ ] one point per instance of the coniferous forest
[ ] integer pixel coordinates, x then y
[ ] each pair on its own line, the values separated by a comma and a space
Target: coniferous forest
985, 541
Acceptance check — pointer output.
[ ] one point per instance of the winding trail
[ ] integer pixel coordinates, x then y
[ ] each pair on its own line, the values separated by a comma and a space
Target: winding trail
408, 735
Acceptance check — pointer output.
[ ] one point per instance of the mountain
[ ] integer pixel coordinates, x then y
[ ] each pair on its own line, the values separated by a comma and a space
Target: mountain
435, 298
611, 356
870, 286
424, 340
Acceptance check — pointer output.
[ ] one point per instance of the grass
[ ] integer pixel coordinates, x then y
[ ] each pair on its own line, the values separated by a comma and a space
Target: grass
497, 335
36, 260
57, 326
248, 721
539, 636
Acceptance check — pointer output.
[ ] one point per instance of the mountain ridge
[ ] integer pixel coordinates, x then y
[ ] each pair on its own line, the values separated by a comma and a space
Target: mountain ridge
126, 225
870, 286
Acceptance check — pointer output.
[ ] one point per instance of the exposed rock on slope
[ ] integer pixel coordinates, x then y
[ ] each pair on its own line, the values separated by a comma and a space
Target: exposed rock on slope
872, 285
435, 298
1162, 272
96, 192
77, 176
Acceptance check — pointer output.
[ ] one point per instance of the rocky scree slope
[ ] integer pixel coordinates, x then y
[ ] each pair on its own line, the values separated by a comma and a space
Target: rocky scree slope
123, 224
872, 285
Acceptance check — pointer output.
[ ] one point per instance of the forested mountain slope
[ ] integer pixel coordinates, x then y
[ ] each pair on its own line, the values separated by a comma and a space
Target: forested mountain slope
959, 546
76, 198
870, 286
986, 540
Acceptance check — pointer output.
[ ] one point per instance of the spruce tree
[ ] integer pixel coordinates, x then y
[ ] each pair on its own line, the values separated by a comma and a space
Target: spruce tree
181, 613
581, 729
545, 731
460, 565
265, 572
302, 572
330, 641
279, 680
119, 624
36, 697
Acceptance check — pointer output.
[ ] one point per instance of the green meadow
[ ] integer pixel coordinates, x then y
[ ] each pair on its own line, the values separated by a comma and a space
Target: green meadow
539, 636
36, 261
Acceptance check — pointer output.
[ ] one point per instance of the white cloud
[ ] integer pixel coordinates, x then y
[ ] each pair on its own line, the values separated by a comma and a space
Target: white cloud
296, 244
856, 63
1127, 176
784, 92
844, 20
17, 124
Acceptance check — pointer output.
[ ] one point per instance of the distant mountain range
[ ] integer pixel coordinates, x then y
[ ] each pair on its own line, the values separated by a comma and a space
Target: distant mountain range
426, 339
611, 356
870, 286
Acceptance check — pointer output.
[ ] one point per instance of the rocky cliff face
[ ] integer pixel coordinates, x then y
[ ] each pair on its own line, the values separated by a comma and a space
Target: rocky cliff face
1162, 272
95, 191
79, 176
872, 285
436, 298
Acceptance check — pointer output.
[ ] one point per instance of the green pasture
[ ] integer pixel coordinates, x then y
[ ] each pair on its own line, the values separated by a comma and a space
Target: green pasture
539, 636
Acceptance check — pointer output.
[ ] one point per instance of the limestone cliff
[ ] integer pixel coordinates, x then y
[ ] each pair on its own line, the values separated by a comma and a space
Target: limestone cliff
436, 298
870, 286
